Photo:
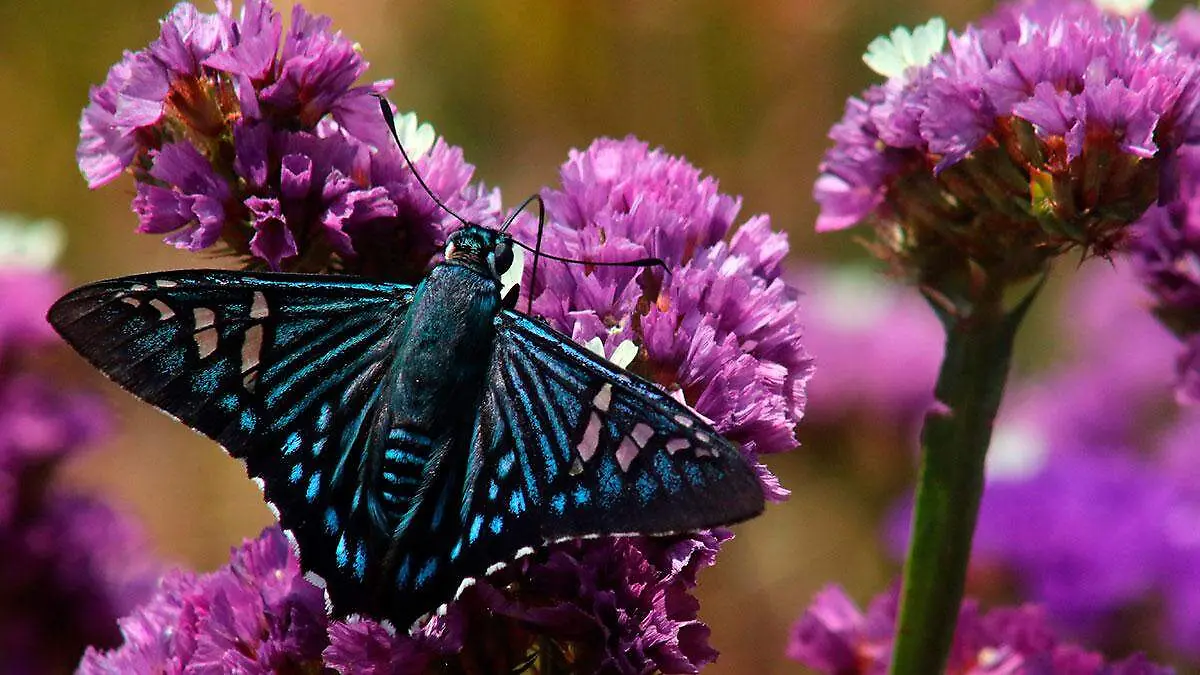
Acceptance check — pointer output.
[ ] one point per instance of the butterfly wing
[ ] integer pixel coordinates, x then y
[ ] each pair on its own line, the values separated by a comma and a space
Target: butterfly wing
290, 373
567, 445
604, 451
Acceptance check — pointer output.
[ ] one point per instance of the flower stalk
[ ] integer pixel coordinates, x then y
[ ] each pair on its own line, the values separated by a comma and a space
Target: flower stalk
954, 443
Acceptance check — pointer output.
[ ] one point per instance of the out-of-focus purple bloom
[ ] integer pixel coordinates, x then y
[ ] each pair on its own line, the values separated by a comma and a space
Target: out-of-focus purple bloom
987, 156
744, 366
833, 636
70, 565
1166, 251
877, 344
240, 133
1092, 499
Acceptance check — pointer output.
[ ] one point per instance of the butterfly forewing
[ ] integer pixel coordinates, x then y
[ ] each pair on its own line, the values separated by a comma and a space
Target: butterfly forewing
290, 373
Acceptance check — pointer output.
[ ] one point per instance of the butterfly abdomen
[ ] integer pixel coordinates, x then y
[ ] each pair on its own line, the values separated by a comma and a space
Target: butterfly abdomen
445, 346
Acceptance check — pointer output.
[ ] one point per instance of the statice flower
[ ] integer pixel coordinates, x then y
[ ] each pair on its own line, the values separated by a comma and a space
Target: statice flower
242, 134
1166, 251
1050, 127
606, 608
835, 637
744, 366
71, 565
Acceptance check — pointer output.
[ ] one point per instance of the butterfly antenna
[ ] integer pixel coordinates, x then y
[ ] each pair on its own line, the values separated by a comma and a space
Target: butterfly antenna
537, 249
390, 118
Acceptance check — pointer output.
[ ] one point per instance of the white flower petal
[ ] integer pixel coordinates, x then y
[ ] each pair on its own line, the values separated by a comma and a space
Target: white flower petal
892, 56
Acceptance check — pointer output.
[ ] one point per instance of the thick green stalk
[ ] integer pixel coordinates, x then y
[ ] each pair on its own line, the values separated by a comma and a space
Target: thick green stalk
954, 443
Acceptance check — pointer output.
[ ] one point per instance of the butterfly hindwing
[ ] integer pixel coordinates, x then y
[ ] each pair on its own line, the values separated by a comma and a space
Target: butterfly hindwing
290, 373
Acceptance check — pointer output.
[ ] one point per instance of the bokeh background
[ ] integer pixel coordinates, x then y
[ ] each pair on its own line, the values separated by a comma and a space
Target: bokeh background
745, 90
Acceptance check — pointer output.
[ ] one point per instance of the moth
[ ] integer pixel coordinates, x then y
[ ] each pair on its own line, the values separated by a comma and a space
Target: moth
410, 439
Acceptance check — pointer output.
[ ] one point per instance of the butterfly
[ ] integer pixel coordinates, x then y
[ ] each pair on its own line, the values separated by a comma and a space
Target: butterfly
410, 439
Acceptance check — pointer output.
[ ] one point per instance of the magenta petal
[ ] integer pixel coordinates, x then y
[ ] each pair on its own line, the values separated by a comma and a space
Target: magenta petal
272, 239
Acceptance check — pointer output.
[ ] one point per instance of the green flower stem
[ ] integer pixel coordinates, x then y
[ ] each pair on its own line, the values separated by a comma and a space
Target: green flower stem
954, 444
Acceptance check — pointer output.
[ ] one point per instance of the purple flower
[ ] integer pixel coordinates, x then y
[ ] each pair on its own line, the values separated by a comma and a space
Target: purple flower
71, 565
621, 605
1166, 251
257, 615
985, 157
744, 367
877, 345
833, 636
242, 134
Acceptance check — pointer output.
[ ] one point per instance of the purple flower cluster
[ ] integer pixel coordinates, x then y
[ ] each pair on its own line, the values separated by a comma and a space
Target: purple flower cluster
1166, 250
610, 608
743, 365
1046, 127
71, 565
259, 615
834, 637
1092, 498
240, 133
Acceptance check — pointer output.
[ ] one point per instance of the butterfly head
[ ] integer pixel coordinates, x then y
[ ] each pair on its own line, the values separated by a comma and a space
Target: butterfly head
487, 250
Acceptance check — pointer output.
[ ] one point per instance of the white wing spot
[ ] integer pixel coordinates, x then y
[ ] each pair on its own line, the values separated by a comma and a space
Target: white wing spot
522, 552
273, 509
495, 568
676, 444
164, 312
641, 434
139, 287
625, 453
466, 583
702, 451
251, 346
315, 579
287, 534
132, 302
206, 342
703, 437
165, 283
603, 398
591, 438
258, 308
205, 317
684, 420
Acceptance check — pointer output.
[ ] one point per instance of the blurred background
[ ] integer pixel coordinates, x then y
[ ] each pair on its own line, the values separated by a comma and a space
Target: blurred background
746, 91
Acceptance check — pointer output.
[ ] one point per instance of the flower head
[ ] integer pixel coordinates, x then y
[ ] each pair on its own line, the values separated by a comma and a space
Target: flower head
745, 366
242, 134
1037, 132
833, 636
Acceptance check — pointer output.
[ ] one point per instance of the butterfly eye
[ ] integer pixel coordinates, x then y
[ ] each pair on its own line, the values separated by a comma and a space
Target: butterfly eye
501, 258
